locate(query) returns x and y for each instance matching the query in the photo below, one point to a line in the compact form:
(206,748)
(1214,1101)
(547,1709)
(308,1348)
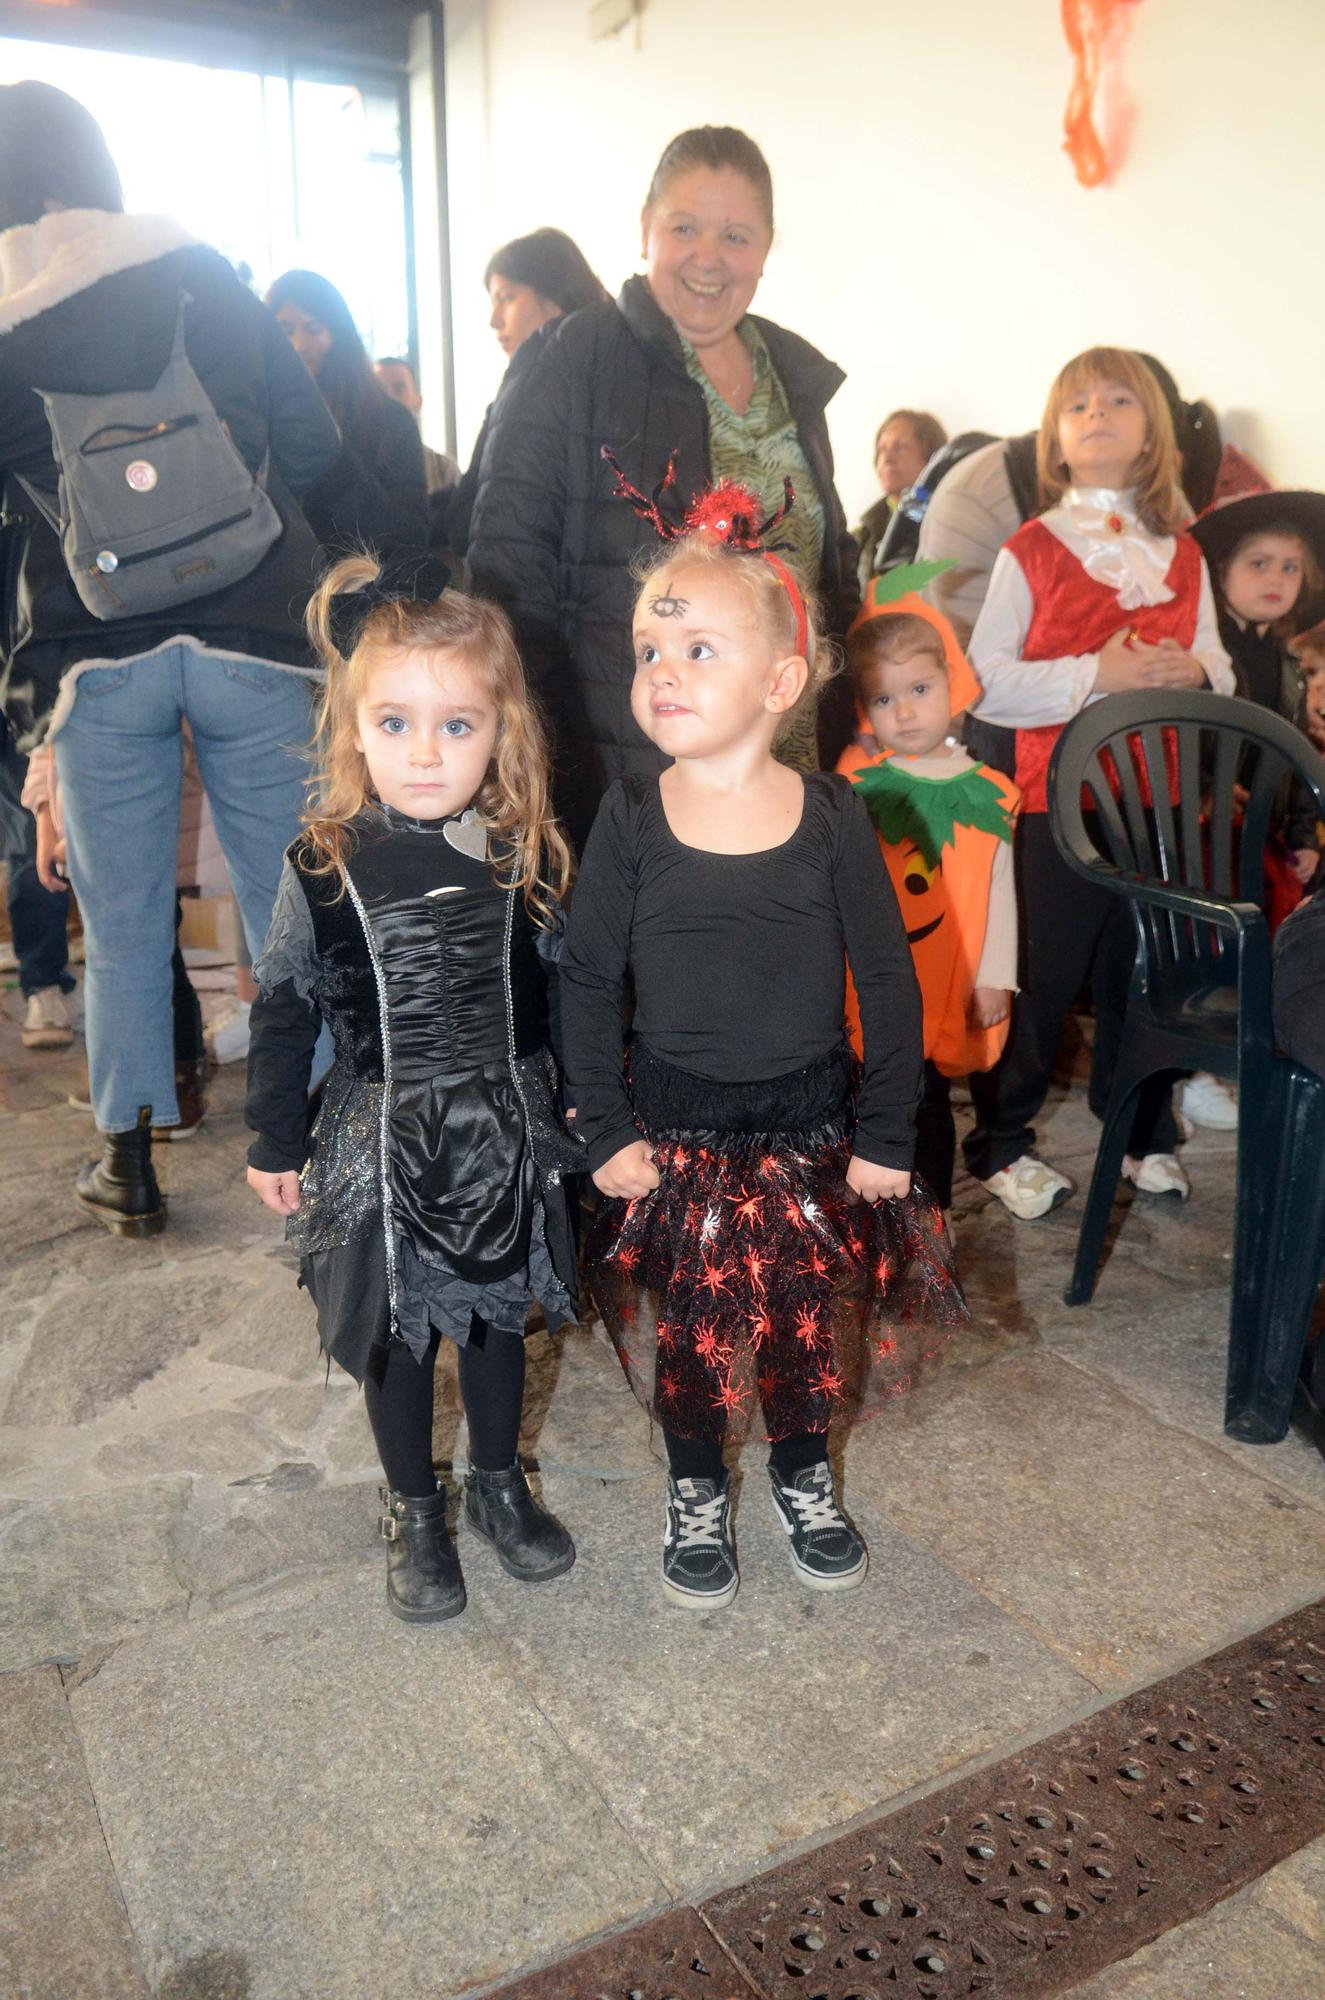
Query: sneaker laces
(817,1508)
(699,1522)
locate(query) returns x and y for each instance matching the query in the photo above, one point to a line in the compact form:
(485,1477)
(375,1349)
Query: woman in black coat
(676,364)
(376,495)
(530,282)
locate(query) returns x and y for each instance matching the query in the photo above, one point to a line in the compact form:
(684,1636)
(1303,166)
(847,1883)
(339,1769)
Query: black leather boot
(120,1188)
(531,1544)
(423,1580)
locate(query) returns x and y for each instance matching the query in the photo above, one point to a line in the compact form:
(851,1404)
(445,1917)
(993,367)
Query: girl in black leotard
(761,1244)
(415,915)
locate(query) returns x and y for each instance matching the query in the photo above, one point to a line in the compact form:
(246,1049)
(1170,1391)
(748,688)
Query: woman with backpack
(161,580)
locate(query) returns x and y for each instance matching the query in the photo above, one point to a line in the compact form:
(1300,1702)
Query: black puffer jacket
(460,509)
(376,494)
(551,544)
(88,303)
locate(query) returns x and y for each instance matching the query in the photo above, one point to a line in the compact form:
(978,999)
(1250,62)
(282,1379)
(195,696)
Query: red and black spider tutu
(752,1278)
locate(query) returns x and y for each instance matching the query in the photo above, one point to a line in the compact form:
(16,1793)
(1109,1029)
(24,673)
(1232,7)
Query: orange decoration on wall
(1089,25)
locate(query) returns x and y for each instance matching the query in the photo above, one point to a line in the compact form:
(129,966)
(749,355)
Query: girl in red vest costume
(1103,594)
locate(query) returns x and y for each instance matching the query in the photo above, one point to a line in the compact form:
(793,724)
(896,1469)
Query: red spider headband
(726,513)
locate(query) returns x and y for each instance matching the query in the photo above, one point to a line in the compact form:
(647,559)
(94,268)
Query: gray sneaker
(699,1562)
(826,1552)
(46,1023)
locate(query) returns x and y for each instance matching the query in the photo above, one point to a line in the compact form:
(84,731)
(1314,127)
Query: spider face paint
(669,607)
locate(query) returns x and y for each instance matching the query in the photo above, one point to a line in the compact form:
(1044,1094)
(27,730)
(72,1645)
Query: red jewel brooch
(1115,523)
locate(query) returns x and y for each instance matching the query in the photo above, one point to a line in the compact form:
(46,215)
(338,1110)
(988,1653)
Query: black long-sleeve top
(739,963)
(1267,674)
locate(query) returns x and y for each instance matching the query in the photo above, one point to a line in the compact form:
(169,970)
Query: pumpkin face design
(918,878)
(938,837)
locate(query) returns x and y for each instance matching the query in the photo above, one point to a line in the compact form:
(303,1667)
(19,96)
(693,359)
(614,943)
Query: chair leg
(1103,1186)
(1279,1254)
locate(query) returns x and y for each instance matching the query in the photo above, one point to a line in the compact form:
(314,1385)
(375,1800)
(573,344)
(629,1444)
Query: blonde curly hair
(514,798)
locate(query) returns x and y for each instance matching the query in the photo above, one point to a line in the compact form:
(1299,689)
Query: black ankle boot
(531,1544)
(423,1579)
(120,1188)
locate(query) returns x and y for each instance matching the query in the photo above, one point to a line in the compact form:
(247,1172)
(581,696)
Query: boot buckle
(388,1528)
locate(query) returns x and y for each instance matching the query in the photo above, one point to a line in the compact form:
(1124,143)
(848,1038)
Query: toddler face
(427,727)
(1313,675)
(1264,578)
(706,673)
(907,702)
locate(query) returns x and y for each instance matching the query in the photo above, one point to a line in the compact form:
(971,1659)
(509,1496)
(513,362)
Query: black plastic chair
(1193,873)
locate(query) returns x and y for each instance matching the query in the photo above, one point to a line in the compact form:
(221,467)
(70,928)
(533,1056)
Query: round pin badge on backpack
(141,475)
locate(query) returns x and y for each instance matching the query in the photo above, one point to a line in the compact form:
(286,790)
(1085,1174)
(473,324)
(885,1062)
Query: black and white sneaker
(699,1562)
(826,1552)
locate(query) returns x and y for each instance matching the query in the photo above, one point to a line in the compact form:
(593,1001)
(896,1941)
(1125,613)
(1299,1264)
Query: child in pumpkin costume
(945,827)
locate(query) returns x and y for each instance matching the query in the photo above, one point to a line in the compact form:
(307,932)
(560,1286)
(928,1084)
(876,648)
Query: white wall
(931,234)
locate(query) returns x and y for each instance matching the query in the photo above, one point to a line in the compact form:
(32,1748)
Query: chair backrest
(1160,792)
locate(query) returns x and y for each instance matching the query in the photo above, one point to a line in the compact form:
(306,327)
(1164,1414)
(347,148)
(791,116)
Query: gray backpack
(155,505)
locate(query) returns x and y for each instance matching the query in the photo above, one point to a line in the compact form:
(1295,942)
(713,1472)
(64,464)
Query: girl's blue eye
(393,725)
(455,727)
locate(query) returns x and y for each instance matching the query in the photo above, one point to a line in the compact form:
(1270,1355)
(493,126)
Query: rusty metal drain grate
(1039,1872)
(672,1957)
(1031,1876)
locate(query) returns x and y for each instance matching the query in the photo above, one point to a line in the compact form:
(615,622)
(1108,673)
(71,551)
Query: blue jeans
(38,919)
(120,757)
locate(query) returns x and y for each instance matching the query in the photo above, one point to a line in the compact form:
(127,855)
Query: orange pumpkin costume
(939,836)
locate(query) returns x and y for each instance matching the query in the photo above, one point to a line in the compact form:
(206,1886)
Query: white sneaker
(1028,1188)
(1157,1173)
(228,1037)
(1204,1100)
(46,1023)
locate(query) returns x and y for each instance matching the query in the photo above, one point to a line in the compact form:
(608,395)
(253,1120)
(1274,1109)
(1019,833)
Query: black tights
(701,1458)
(397,1390)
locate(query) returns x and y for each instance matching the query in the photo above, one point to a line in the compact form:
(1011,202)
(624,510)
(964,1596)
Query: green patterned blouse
(761,447)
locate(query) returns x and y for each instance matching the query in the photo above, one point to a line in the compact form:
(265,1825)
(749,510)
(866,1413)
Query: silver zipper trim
(554,1176)
(380,980)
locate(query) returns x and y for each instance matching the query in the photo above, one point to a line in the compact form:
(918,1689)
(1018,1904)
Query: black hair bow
(408,579)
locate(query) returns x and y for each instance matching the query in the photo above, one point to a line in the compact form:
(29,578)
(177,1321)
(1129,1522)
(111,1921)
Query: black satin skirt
(455,1165)
(477,1231)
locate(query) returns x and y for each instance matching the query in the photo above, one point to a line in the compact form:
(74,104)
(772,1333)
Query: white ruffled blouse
(1101,529)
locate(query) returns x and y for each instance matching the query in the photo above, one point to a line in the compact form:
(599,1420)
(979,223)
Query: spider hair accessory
(407,580)
(727,512)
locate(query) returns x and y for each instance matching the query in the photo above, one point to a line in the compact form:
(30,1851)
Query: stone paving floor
(227,1774)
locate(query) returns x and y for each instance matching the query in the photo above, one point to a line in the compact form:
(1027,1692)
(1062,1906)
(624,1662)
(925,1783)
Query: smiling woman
(678,364)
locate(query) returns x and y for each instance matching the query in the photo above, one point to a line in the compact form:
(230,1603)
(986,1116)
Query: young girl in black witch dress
(414,915)
(761,1241)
